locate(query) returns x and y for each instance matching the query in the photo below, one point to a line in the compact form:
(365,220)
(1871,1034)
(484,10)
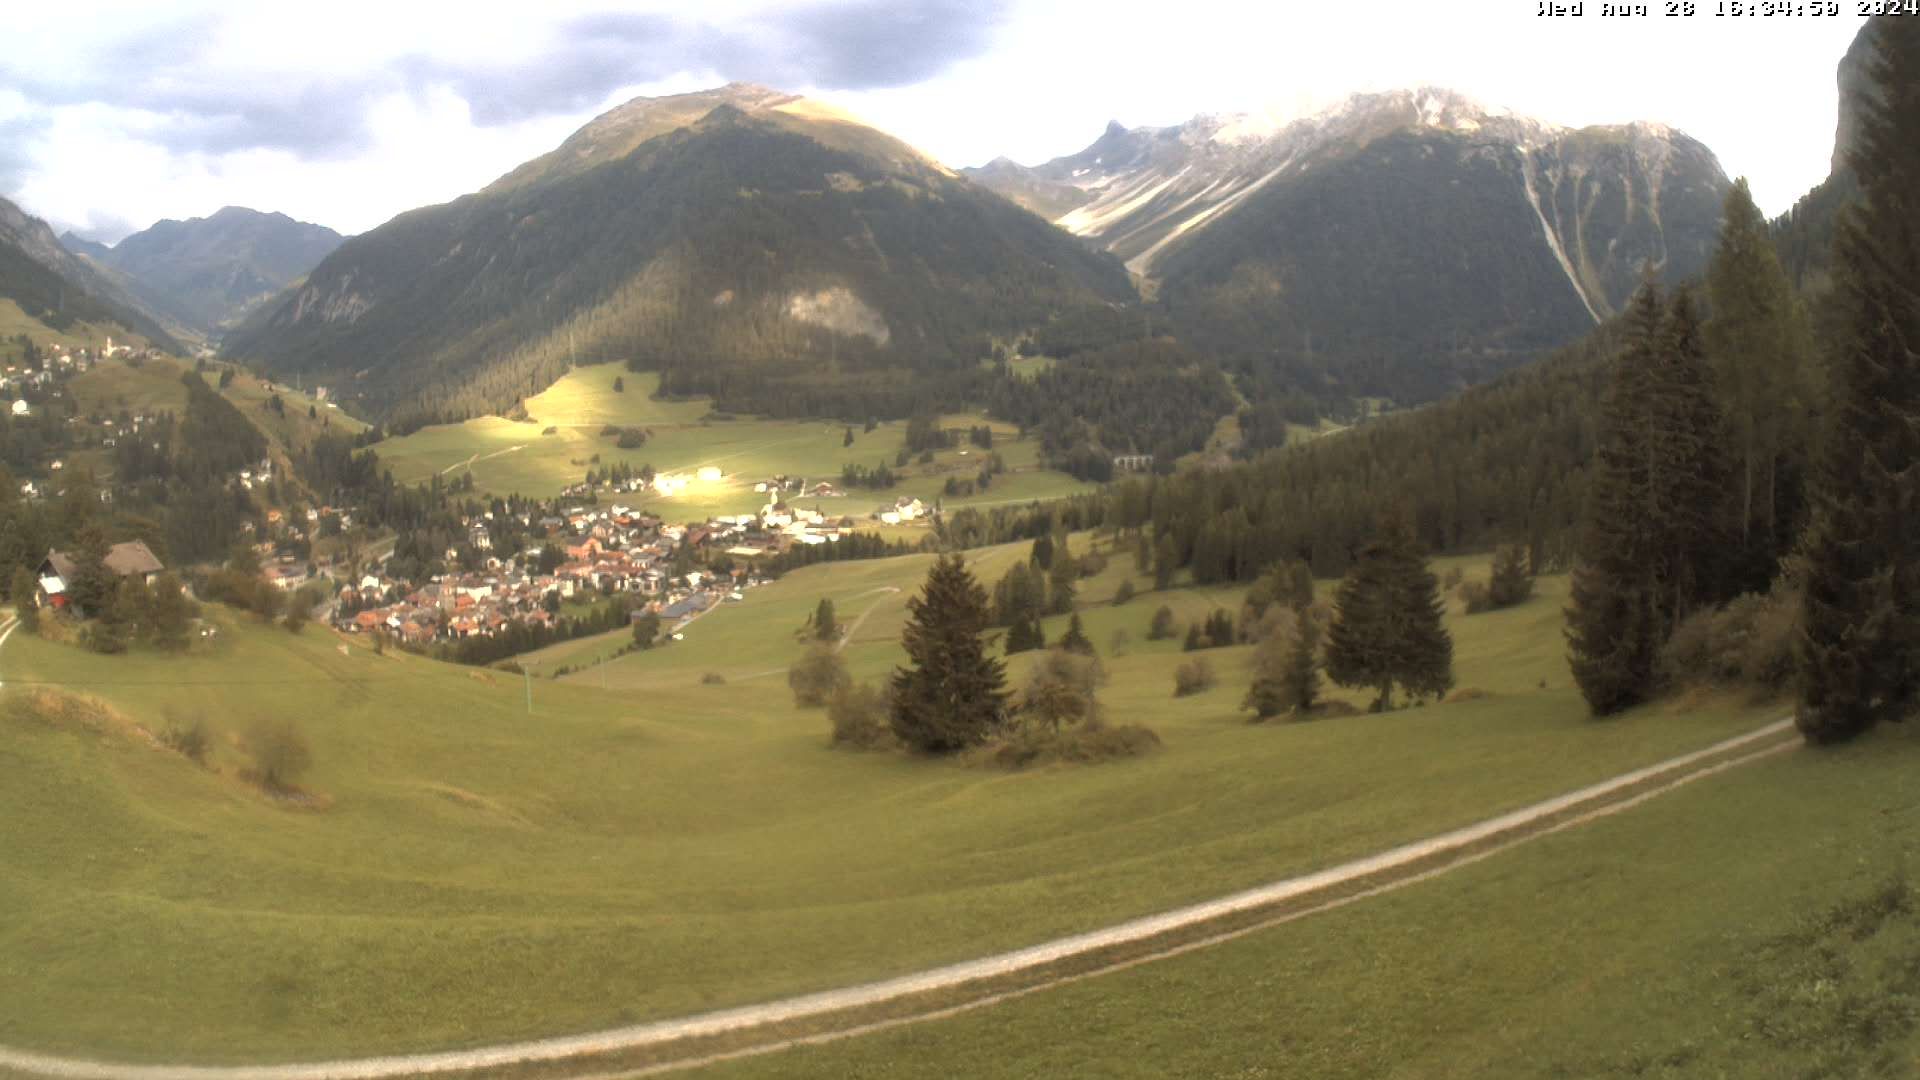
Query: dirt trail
(1343,884)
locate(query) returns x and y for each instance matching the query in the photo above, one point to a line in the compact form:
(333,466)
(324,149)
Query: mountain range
(1402,242)
(205,274)
(739,233)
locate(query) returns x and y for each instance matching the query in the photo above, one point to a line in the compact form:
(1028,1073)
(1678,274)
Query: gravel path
(1469,844)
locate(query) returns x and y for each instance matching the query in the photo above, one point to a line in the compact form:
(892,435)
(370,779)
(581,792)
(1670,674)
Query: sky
(115,114)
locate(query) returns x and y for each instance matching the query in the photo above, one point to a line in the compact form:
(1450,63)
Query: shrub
(279,751)
(859,718)
(713,678)
(1193,677)
(1477,596)
(1466,693)
(817,676)
(1060,692)
(191,739)
(1124,593)
(1084,744)
(1749,641)
(1161,627)
(1453,578)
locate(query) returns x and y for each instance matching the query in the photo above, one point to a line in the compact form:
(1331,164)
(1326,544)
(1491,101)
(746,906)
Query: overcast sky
(115,114)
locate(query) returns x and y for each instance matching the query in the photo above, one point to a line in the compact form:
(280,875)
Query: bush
(1477,596)
(1453,578)
(1749,641)
(1060,692)
(1083,744)
(859,718)
(1161,627)
(279,752)
(713,678)
(1466,693)
(1124,593)
(1193,677)
(191,739)
(817,676)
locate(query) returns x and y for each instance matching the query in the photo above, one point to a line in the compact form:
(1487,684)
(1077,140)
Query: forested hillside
(40,276)
(739,244)
(205,273)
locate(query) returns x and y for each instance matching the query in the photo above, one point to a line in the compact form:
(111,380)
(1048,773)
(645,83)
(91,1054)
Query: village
(586,555)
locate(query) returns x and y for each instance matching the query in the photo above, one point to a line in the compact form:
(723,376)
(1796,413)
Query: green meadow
(1759,924)
(481,857)
(506,456)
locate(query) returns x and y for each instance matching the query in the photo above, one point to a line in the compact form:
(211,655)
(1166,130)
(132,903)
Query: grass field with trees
(684,837)
(507,456)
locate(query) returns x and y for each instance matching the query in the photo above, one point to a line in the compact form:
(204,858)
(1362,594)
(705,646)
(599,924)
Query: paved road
(1465,845)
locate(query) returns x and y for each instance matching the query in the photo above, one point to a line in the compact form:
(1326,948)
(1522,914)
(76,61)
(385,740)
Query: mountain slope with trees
(207,273)
(707,235)
(1402,244)
(57,288)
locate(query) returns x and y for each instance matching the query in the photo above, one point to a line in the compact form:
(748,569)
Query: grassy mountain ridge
(745,239)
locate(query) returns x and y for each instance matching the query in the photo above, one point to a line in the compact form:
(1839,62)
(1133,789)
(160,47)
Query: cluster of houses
(597,551)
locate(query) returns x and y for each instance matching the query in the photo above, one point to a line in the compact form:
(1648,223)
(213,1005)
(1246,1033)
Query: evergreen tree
(1510,583)
(1024,635)
(1018,596)
(825,625)
(1061,589)
(1688,480)
(1858,656)
(1761,352)
(1388,621)
(171,614)
(1075,640)
(1042,554)
(1166,559)
(1613,621)
(953,695)
(1300,680)
(1160,627)
(25,601)
(91,589)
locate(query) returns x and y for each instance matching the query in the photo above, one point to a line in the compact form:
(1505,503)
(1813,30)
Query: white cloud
(354,112)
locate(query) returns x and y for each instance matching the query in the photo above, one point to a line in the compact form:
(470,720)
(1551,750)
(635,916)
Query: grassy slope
(507,457)
(14,321)
(1758,924)
(483,874)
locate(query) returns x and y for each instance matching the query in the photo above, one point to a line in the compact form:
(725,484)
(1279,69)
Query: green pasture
(464,870)
(506,456)
(1758,924)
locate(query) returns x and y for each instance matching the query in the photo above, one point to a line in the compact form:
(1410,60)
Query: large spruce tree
(1388,621)
(1613,620)
(1688,478)
(1761,353)
(953,695)
(1858,658)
